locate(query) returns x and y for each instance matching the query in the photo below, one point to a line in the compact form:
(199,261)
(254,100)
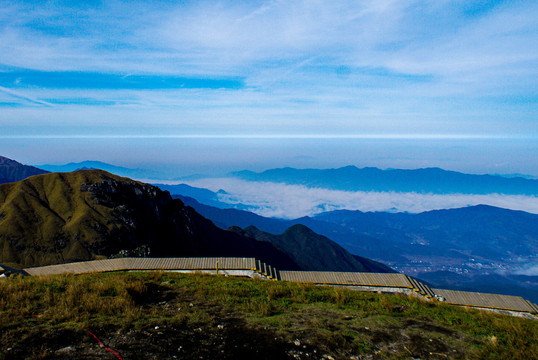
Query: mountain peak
(4,161)
(11,170)
(299,229)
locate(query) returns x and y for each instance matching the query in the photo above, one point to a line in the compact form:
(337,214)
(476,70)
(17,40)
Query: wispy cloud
(293,201)
(271,67)
(24,98)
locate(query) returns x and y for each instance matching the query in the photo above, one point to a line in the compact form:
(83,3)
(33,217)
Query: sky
(200,84)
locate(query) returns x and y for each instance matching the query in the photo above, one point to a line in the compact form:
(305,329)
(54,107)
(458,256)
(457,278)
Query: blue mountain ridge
(90,164)
(11,170)
(473,248)
(427,180)
(352,178)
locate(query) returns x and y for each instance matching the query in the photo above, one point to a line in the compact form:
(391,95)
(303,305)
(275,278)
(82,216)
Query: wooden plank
(347,278)
(494,301)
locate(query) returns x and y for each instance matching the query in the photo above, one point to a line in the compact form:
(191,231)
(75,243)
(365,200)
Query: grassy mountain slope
(11,171)
(64,217)
(170,315)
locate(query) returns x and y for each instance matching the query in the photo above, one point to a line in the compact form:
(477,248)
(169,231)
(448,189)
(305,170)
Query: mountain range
(88,164)
(428,180)
(65,217)
(89,214)
(479,248)
(479,232)
(352,178)
(205,196)
(92,214)
(313,251)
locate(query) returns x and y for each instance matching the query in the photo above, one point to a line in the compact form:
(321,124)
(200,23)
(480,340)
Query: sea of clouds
(529,270)
(293,201)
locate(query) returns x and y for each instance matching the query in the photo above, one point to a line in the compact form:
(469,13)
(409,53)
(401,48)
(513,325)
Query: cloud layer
(294,201)
(529,270)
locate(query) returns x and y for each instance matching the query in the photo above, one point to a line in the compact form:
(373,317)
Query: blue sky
(359,69)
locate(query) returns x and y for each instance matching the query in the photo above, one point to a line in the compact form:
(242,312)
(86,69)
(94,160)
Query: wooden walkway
(483,300)
(146,264)
(389,282)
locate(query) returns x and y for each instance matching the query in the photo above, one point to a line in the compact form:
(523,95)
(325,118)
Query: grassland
(166,315)
(46,219)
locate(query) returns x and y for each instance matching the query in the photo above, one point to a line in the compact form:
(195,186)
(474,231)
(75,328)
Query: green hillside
(180,316)
(49,219)
(89,214)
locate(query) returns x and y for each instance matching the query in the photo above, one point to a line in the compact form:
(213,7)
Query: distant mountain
(307,248)
(225,218)
(476,248)
(428,180)
(312,251)
(475,232)
(479,232)
(87,165)
(87,214)
(11,171)
(353,242)
(204,196)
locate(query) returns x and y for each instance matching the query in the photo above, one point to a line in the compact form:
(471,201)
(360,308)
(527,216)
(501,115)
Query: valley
(474,248)
(477,248)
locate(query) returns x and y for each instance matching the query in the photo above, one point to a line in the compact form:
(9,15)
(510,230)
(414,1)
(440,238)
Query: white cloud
(293,201)
(529,270)
(289,52)
(217,37)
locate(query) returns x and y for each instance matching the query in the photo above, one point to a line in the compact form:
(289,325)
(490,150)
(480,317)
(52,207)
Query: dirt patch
(151,293)
(428,326)
(233,339)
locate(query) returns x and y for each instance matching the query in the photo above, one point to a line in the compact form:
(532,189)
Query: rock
(67,349)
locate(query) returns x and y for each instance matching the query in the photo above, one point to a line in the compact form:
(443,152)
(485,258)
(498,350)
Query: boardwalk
(381,282)
(146,264)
